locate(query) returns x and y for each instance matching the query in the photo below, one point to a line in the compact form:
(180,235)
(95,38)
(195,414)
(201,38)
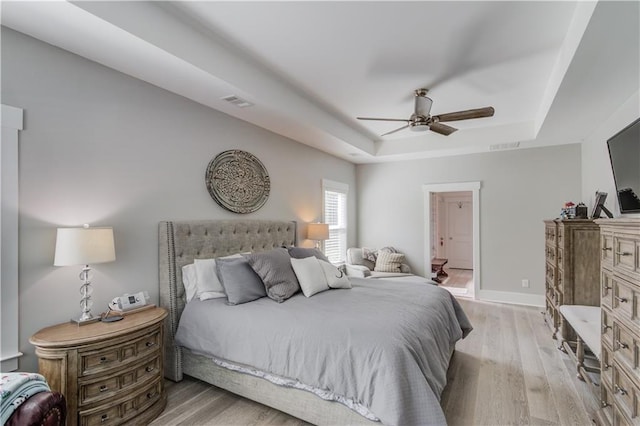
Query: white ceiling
(551,70)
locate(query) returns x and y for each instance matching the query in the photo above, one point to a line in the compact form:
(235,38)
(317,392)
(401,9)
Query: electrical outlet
(525,283)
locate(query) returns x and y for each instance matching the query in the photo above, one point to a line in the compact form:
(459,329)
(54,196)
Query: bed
(409,395)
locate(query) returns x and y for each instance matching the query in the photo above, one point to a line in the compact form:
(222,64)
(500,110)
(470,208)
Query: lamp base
(84,321)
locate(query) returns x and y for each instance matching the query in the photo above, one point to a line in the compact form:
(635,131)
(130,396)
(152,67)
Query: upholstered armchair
(28,401)
(363,263)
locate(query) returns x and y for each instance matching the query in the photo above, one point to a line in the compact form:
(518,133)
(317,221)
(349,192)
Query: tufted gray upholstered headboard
(181,242)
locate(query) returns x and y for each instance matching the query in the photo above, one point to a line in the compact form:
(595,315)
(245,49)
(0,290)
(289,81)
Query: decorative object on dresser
(572,271)
(318,232)
(110,373)
(620,297)
(82,246)
(238,181)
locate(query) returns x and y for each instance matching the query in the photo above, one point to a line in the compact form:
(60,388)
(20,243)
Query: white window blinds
(335,215)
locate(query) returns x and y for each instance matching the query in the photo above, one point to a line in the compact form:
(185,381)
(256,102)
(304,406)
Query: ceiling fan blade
(383,119)
(442,129)
(396,130)
(465,115)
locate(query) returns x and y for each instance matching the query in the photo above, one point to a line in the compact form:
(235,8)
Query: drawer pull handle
(621,345)
(604,404)
(149,369)
(151,395)
(104,418)
(606,248)
(606,366)
(623,253)
(619,389)
(608,287)
(621,299)
(605,328)
(103,359)
(149,344)
(104,388)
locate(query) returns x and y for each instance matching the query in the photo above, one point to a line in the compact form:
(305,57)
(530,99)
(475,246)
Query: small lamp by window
(82,246)
(318,232)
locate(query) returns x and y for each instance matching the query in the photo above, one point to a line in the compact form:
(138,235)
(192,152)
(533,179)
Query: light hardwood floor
(508,371)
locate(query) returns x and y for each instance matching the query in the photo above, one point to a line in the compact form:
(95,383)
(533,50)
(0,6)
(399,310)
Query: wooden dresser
(620,302)
(572,270)
(110,373)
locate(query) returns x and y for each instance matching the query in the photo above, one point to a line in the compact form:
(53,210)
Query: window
(334,202)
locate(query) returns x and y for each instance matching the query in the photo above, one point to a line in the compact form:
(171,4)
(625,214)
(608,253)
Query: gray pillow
(240,282)
(302,252)
(274,268)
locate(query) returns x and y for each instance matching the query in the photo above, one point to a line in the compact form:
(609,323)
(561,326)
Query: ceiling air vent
(503,146)
(239,102)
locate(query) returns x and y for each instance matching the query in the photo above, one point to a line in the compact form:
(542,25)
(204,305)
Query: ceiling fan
(421,121)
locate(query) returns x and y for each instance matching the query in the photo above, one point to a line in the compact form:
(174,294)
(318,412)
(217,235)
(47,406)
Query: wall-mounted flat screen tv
(624,153)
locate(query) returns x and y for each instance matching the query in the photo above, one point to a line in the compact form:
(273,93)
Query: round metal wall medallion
(238,181)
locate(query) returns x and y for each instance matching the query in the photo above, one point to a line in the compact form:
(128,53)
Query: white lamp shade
(82,246)
(318,231)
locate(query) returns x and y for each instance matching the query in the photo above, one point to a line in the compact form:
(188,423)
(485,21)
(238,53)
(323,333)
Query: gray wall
(519,190)
(103,148)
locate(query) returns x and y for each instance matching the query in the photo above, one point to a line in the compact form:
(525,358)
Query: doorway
(452,233)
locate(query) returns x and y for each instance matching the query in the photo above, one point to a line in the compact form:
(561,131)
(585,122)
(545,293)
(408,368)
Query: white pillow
(207,282)
(190,281)
(310,275)
(335,277)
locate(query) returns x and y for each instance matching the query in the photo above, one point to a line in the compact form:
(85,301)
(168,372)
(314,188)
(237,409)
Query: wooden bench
(586,321)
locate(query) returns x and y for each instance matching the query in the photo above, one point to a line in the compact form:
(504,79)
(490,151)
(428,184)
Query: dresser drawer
(560,280)
(606,402)
(625,393)
(606,247)
(550,254)
(121,411)
(606,365)
(548,289)
(625,301)
(625,348)
(625,254)
(95,362)
(551,273)
(606,288)
(106,387)
(607,327)
(619,419)
(550,234)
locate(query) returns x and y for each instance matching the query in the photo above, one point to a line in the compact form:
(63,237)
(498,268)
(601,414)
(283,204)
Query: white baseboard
(512,297)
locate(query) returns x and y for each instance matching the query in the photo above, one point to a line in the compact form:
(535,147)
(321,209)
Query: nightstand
(110,373)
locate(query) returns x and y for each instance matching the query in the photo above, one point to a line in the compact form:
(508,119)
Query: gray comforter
(383,344)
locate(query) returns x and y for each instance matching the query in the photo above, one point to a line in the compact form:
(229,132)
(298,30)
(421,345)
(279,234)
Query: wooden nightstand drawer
(104,388)
(96,362)
(124,410)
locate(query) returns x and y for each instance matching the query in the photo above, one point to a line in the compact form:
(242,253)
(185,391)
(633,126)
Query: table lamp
(82,246)
(318,232)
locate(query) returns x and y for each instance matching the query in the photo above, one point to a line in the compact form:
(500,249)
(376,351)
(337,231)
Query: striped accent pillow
(388,262)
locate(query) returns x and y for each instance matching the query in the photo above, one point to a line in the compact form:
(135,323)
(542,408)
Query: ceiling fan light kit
(421,120)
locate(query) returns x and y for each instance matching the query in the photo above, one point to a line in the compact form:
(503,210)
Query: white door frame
(474,188)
